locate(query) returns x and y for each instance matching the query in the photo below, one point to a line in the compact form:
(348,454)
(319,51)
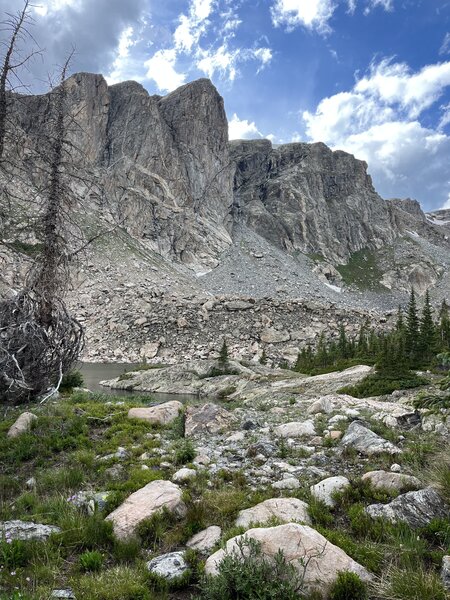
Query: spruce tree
(412,331)
(427,333)
(223,355)
(342,346)
(444,327)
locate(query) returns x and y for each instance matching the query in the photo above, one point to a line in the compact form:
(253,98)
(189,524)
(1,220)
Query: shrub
(348,586)
(246,574)
(184,452)
(71,380)
(91,561)
(377,384)
(120,583)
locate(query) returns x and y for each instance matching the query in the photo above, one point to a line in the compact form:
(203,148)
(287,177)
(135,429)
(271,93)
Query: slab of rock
(325,489)
(162,414)
(169,566)
(25,530)
(144,503)
(445,572)
(66,593)
(286,510)
(366,441)
(207,418)
(274,336)
(205,540)
(296,429)
(299,543)
(289,483)
(417,509)
(391,481)
(23,424)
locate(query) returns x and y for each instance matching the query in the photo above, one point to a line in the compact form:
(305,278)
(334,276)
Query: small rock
(66,593)
(183,475)
(22,424)
(445,572)
(207,418)
(396,468)
(290,483)
(169,566)
(325,489)
(295,429)
(205,540)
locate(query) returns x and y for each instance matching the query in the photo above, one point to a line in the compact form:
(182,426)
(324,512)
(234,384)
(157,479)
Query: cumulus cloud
(161,69)
(191,44)
(311,14)
(242,129)
(379,120)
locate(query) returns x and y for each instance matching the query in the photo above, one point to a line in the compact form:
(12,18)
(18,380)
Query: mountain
(179,214)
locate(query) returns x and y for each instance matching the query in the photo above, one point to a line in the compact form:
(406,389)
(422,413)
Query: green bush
(377,384)
(246,574)
(91,561)
(184,452)
(70,380)
(348,586)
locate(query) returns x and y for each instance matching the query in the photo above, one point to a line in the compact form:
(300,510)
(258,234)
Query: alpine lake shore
(118,498)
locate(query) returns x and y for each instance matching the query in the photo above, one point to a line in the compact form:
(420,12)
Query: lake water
(93,373)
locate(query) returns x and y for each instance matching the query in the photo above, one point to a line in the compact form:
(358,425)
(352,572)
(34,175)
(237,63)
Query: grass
(62,451)
(362,271)
(377,384)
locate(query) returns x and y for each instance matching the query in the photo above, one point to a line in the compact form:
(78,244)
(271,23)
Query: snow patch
(335,288)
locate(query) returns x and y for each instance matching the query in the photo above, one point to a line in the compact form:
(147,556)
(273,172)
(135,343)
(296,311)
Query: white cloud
(242,129)
(120,66)
(311,14)
(445,46)
(378,120)
(388,5)
(49,6)
(395,83)
(161,69)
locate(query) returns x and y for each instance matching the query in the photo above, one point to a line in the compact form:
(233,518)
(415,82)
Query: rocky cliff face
(304,197)
(160,166)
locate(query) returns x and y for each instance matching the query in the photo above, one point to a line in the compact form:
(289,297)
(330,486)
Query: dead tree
(39,340)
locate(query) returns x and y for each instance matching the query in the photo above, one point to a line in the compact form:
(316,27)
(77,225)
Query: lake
(93,373)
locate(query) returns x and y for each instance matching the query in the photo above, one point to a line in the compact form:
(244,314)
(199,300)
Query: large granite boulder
(205,540)
(151,499)
(299,543)
(391,482)
(207,418)
(417,509)
(287,510)
(366,441)
(161,414)
(296,429)
(26,530)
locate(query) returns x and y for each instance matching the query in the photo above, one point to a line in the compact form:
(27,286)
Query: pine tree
(412,331)
(263,358)
(342,347)
(223,355)
(444,327)
(427,333)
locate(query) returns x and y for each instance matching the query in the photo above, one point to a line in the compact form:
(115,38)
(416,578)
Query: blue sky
(368,76)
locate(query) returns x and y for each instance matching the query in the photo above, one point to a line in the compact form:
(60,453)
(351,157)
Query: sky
(371,77)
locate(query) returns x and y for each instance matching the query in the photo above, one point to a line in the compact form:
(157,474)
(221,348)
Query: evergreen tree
(223,355)
(412,331)
(343,346)
(427,333)
(263,358)
(444,327)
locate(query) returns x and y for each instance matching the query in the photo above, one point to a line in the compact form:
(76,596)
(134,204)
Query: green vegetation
(362,271)
(71,380)
(348,586)
(415,342)
(246,574)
